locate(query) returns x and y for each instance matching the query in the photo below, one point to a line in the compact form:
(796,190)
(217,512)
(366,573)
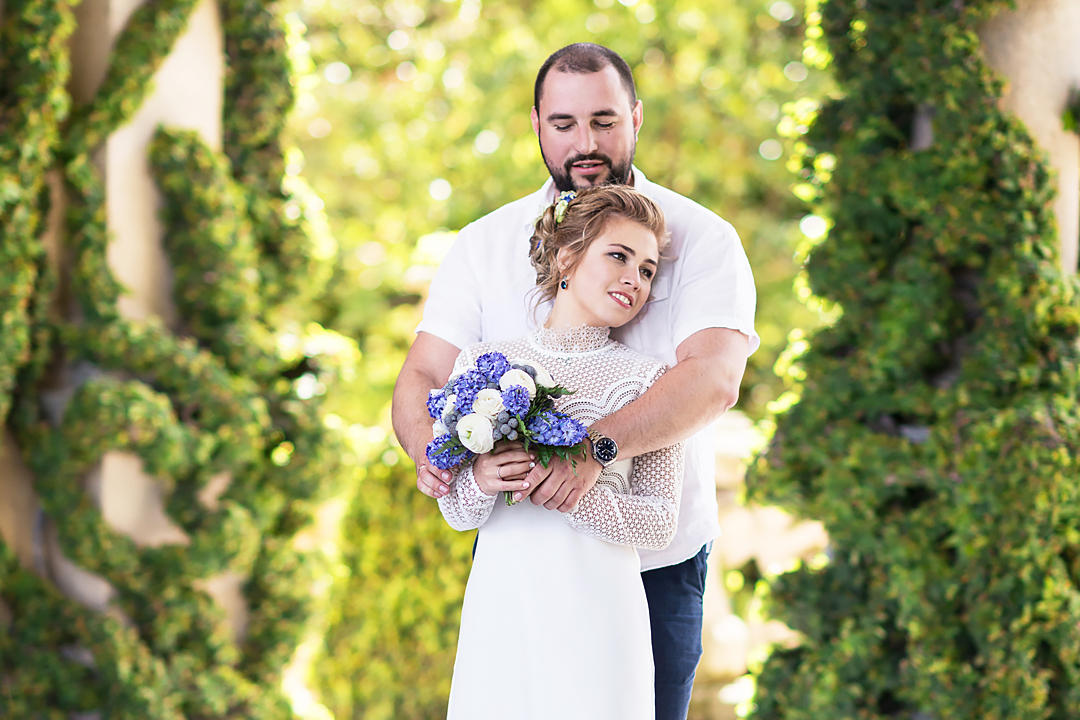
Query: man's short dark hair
(585,58)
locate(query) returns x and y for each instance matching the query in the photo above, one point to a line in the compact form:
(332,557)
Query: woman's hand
(503,469)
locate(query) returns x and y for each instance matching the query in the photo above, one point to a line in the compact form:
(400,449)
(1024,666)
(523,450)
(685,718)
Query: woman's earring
(563,284)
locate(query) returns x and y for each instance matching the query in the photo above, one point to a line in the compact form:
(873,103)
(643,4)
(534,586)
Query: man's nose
(585,141)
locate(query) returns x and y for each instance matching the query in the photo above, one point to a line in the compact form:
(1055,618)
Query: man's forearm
(701,386)
(674,408)
(412,424)
(427,366)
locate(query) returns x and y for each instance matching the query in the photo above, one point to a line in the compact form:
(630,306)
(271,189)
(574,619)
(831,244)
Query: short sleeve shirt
(484,292)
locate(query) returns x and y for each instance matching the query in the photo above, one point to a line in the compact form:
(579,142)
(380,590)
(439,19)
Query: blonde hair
(584,221)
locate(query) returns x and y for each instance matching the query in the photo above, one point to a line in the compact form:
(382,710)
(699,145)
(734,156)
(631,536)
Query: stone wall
(1036,49)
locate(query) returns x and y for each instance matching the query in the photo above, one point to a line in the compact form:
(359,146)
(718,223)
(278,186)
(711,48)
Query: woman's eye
(647,273)
(618,256)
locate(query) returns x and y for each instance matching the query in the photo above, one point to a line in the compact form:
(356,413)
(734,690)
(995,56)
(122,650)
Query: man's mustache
(581,158)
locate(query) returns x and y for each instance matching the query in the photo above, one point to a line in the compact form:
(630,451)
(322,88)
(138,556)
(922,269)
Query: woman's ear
(562,260)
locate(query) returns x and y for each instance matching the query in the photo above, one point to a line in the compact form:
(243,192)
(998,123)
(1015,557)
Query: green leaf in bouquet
(572,453)
(554,392)
(544,453)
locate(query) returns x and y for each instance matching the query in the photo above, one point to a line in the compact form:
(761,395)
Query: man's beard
(618,174)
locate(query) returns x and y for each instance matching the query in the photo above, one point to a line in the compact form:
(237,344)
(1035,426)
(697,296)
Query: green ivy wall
(219,394)
(937,434)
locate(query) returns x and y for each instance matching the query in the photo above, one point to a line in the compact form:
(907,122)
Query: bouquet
(501,400)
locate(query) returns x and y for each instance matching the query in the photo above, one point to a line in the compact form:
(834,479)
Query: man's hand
(560,485)
(432,481)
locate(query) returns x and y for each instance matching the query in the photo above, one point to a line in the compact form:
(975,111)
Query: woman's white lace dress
(555,624)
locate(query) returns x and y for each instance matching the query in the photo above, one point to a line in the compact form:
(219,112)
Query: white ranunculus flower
(438,428)
(488,403)
(475,432)
(543,377)
(518,377)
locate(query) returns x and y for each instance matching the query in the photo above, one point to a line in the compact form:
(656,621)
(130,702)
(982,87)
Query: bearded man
(699,320)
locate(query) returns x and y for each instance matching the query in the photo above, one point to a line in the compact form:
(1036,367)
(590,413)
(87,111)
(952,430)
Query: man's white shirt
(483,291)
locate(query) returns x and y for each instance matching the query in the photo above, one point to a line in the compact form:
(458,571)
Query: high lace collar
(572,340)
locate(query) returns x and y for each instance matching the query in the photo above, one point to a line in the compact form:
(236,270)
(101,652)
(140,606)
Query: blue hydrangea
(553,428)
(466,386)
(446,452)
(516,400)
(436,403)
(492,365)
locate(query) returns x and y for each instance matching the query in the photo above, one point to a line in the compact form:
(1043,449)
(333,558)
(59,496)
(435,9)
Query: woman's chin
(622,319)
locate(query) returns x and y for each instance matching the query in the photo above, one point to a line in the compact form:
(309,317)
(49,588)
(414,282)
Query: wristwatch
(604,449)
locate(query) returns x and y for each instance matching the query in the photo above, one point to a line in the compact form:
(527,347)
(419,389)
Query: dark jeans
(675,611)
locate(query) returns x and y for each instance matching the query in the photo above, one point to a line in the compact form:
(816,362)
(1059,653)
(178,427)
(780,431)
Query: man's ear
(535,117)
(638,116)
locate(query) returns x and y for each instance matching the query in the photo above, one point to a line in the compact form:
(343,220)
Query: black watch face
(606,450)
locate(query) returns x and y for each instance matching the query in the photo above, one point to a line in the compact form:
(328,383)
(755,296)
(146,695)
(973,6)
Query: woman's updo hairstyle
(583,221)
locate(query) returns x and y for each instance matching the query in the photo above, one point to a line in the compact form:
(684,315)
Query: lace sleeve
(647,516)
(466,506)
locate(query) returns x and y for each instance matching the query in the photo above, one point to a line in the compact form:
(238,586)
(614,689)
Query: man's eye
(562,128)
(605,125)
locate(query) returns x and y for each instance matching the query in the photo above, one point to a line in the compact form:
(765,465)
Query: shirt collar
(547,194)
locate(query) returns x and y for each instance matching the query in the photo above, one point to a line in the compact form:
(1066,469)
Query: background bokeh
(412,119)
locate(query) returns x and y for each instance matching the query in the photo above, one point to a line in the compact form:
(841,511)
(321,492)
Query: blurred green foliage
(413,120)
(394,606)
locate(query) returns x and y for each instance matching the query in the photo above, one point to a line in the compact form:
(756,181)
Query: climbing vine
(937,432)
(217,396)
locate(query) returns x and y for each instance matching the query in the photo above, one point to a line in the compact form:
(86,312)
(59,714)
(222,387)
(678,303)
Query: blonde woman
(596,255)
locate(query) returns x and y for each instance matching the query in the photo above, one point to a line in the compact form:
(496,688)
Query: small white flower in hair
(561,204)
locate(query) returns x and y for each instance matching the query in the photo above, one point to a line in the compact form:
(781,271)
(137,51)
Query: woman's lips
(622,298)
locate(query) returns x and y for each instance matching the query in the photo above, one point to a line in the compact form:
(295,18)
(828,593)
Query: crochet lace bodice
(635,501)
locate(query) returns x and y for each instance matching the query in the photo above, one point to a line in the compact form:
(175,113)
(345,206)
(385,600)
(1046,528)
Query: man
(699,320)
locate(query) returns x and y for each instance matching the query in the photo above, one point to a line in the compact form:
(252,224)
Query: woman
(555,623)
